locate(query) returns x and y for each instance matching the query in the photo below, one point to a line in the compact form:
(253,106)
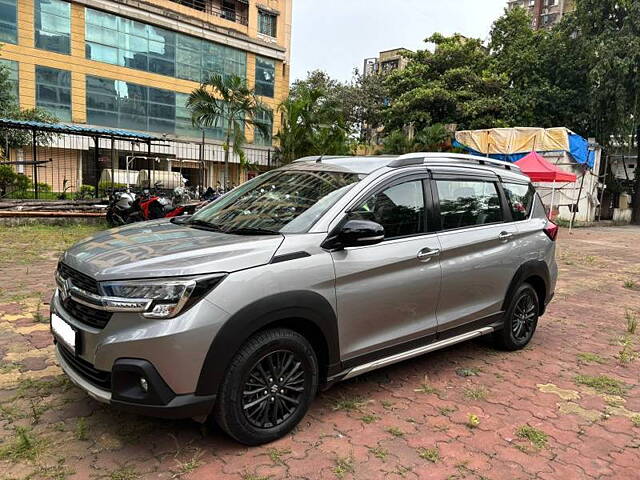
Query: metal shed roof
(75,129)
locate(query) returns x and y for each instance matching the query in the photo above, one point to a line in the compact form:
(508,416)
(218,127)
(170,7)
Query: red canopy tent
(539,170)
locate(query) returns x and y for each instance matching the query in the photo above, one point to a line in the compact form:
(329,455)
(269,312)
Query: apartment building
(131,64)
(544,13)
(386,61)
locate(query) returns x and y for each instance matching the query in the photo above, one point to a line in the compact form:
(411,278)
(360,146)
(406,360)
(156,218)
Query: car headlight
(159,298)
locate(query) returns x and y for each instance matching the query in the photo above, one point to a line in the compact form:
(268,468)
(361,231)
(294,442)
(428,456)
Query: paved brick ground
(567,407)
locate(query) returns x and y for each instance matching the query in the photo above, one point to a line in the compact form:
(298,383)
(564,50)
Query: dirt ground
(566,407)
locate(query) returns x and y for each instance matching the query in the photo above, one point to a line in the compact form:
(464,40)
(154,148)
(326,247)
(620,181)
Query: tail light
(551,229)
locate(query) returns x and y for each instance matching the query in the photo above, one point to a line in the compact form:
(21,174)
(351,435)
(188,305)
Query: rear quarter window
(520,198)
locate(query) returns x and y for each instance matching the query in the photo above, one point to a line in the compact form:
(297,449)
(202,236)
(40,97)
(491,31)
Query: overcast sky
(337,35)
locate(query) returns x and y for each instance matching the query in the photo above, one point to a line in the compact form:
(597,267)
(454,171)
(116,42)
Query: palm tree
(228,101)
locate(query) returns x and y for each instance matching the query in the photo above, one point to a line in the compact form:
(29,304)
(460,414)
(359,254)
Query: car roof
(366,165)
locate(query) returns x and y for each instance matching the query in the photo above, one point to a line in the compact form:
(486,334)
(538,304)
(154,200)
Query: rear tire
(268,387)
(521,319)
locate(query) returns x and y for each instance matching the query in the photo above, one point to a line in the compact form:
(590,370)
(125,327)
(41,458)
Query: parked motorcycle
(125,207)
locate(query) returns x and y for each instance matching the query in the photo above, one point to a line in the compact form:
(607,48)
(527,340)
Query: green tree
(453,84)
(314,121)
(230,102)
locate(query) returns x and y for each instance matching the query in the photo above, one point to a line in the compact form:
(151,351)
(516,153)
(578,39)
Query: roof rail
(420,158)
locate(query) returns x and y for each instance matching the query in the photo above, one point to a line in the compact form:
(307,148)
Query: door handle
(505,236)
(427,254)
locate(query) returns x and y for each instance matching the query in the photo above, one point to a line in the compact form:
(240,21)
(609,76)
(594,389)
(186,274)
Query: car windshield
(276,202)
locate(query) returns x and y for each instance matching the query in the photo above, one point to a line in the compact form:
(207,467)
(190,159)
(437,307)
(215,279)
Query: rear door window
(466,203)
(520,198)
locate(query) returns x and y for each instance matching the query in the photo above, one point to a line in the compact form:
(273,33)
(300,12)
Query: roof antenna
(319,160)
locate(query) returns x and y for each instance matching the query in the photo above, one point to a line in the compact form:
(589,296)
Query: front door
(479,254)
(387,293)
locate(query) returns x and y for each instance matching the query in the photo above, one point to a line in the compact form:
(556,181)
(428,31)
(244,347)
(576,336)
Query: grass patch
(476,393)
(369,418)
(253,476)
(627,354)
(379,452)
(537,437)
(635,419)
(343,466)
(629,284)
(395,431)
(588,357)
(190,465)
(446,411)
(431,454)
(124,473)
(275,454)
(30,388)
(24,446)
(632,321)
(602,384)
(81,429)
(349,404)
(427,389)
(467,372)
(24,244)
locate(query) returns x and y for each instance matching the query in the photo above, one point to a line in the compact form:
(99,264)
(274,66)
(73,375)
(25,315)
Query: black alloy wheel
(268,387)
(273,389)
(520,319)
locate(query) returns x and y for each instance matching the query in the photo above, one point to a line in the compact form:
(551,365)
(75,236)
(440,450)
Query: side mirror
(354,233)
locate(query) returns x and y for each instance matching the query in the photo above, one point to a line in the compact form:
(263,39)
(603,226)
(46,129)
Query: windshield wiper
(251,231)
(204,224)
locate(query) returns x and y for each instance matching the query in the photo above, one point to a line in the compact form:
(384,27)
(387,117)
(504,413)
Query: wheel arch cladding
(536,273)
(307,313)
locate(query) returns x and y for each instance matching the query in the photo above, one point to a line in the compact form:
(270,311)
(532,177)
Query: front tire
(268,387)
(521,319)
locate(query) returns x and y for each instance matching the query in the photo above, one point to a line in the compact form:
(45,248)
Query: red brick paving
(589,435)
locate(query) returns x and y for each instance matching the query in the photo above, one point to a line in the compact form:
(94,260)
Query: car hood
(163,249)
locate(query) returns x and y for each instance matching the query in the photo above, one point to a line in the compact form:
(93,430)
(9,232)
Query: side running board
(399,357)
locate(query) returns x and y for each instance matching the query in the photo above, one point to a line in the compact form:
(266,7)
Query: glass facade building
(9,21)
(120,104)
(53,25)
(128,43)
(53,92)
(12,68)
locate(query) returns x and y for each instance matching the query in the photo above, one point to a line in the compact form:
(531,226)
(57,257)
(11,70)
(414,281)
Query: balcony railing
(236,15)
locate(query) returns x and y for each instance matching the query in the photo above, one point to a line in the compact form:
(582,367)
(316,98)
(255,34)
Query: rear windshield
(278,201)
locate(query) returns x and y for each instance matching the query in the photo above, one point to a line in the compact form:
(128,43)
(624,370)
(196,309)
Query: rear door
(479,248)
(387,293)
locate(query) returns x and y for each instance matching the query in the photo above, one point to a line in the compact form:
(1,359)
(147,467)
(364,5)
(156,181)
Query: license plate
(63,332)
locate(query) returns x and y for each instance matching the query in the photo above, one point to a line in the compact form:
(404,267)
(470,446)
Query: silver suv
(316,272)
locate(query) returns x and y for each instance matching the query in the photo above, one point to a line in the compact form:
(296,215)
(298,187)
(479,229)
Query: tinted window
(53,92)
(399,209)
(464,203)
(265,77)
(8,21)
(53,25)
(520,199)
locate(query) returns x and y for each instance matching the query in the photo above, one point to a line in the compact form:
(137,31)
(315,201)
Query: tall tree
(229,102)
(451,84)
(314,120)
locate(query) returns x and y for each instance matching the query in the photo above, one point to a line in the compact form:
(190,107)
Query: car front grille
(87,315)
(97,378)
(80,280)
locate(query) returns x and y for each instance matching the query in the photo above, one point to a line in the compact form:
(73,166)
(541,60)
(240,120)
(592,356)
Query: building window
(12,69)
(53,92)
(267,23)
(53,25)
(8,21)
(121,41)
(265,77)
(119,104)
(264,117)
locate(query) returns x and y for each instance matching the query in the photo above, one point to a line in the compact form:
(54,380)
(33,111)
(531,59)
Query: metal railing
(237,14)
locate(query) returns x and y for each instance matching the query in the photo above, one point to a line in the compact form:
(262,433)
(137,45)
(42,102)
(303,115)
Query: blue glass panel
(8,21)
(53,25)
